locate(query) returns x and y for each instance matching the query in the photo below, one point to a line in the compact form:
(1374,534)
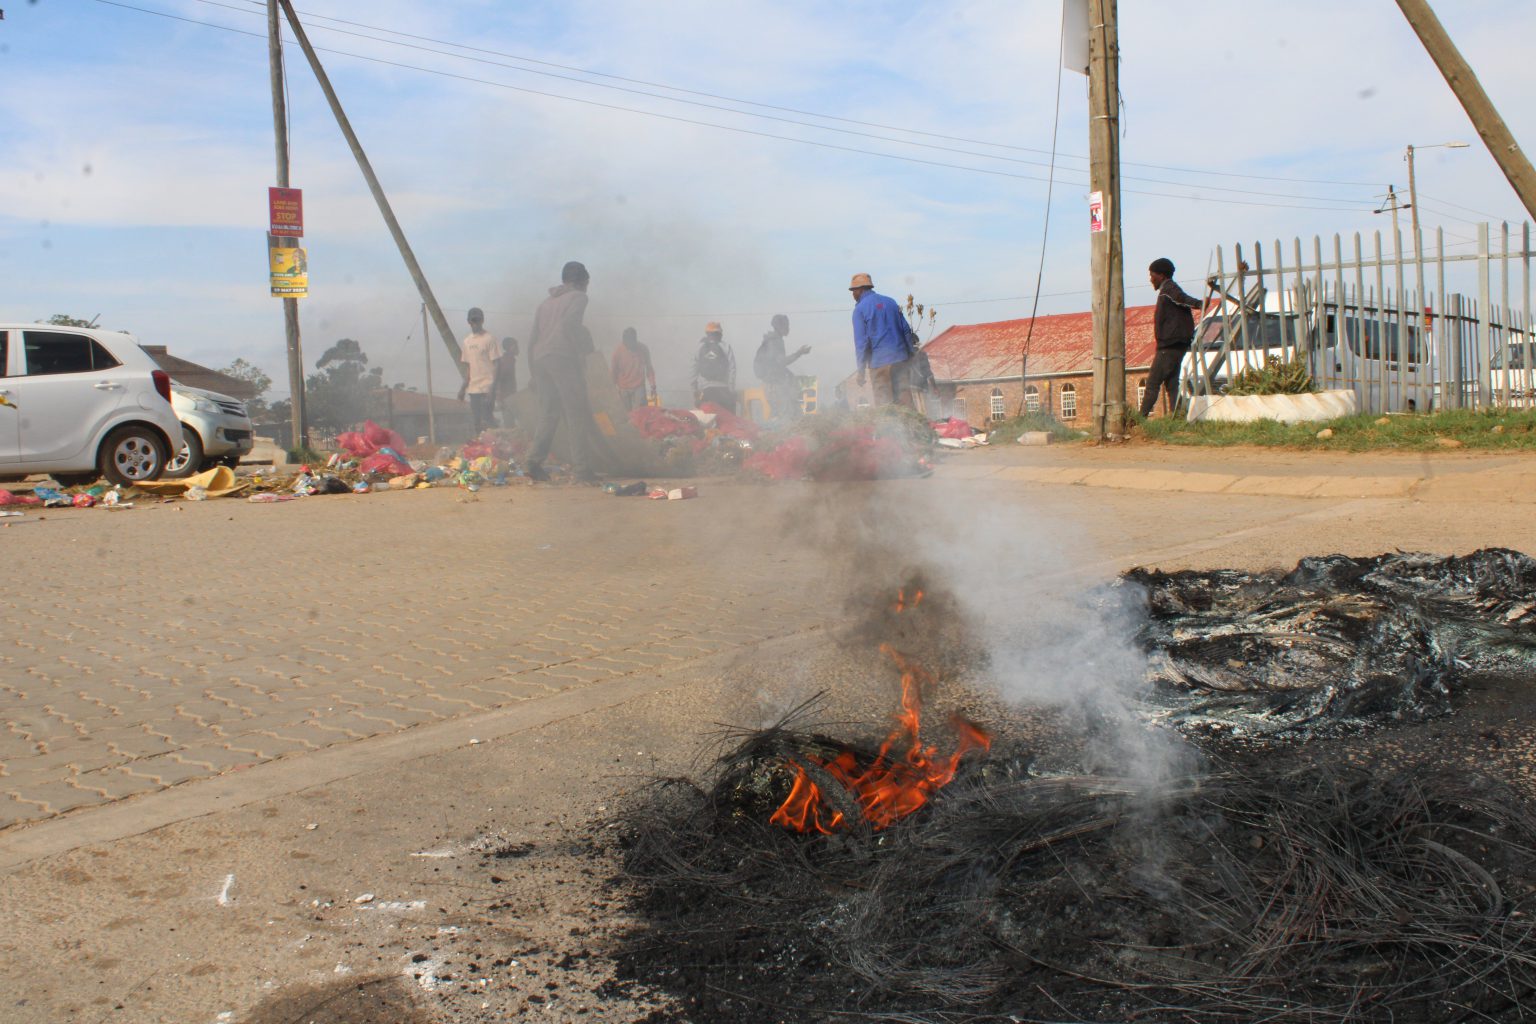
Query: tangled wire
(1342,894)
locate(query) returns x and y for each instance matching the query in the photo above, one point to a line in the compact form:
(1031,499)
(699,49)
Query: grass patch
(1497,429)
(1009,430)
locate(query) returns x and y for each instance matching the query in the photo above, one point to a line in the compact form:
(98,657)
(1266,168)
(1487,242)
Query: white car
(215,429)
(81,403)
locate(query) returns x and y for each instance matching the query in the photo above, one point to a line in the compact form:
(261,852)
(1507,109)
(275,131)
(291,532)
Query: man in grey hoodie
(557,354)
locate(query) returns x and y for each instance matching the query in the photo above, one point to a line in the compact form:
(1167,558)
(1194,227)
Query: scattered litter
(10,498)
(215,483)
(194,493)
(682,493)
(268,497)
(639,487)
(397,905)
(12,515)
(224,898)
(366,897)
(311,826)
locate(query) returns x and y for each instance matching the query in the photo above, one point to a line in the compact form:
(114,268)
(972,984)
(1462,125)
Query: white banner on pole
(1074,38)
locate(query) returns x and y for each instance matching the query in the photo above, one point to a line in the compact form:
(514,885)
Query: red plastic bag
(786,462)
(659,424)
(953,428)
(380,462)
(10,498)
(382,437)
(731,425)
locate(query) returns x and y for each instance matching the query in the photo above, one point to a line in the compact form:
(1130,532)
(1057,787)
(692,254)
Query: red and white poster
(285,207)
(1095,212)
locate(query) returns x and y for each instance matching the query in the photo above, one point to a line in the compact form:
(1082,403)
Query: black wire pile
(1337,643)
(1326,894)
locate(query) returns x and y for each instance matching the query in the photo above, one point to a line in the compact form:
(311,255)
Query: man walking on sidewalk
(557,352)
(1174,328)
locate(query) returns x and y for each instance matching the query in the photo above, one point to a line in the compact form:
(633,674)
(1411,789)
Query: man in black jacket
(1174,328)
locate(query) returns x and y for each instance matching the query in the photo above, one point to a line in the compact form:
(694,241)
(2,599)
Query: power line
(770,106)
(781,120)
(722,127)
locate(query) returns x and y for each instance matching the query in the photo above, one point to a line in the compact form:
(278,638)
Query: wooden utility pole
(1480,109)
(373,186)
(290,305)
(1108,255)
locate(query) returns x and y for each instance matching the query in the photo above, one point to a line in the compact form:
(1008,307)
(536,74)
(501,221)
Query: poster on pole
(289,270)
(1095,212)
(285,212)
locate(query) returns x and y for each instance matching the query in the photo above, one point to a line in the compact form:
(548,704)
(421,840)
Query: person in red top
(632,371)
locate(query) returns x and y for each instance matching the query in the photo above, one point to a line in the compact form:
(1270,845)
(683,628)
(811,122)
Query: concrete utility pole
(1389,204)
(290,305)
(1108,255)
(373,186)
(1480,109)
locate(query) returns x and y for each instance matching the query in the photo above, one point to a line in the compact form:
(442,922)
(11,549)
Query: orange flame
(893,785)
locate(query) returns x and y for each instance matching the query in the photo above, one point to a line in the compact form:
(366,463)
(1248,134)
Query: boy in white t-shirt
(479,352)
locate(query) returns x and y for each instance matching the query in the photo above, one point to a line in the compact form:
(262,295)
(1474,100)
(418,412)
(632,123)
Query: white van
(1385,375)
(81,403)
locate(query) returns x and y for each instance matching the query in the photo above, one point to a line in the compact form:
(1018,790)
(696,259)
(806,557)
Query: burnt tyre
(189,459)
(132,455)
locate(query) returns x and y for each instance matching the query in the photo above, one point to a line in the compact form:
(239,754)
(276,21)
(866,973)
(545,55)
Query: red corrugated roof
(1061,344)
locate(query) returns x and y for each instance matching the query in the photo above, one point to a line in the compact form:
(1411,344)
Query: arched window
(1069,401)
(997,404)
(1031,399)
(1141,392)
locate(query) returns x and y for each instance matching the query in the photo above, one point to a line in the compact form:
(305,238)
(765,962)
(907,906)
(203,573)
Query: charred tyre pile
(808,878)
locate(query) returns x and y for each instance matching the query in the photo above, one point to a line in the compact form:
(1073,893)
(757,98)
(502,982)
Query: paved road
(157,645)
(350,650)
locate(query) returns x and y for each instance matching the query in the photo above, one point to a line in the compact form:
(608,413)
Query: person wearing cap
(771,364)
(480,352)
(714,370)
(883,342)
(1174,328)
(632,371)
(557,352)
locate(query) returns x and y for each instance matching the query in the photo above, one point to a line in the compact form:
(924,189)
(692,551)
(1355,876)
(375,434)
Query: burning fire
(903,774)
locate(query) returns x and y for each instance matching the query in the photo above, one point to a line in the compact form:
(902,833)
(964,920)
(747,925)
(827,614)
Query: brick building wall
(1068,397)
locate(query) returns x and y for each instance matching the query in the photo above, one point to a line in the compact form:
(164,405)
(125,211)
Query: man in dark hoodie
(557,354)
(1174,328)
(771,364)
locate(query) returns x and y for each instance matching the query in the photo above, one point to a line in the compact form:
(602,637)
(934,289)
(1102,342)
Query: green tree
(260,383)
(65,320)
(337,397)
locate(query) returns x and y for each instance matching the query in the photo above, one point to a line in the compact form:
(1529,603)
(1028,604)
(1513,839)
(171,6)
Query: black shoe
(534,471)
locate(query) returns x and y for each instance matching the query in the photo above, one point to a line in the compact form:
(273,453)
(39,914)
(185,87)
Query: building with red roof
(978,367)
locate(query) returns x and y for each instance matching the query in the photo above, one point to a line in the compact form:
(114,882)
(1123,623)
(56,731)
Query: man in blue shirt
(883,342)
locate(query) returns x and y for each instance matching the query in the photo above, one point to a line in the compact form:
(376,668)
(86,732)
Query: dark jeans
(562,389)
(1164,375)
(721,395)
(482,412)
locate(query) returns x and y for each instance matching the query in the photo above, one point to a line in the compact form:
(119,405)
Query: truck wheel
(187,461)
(131,455)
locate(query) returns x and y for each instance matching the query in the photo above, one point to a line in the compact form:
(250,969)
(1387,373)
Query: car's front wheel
(132,455)
(188,460)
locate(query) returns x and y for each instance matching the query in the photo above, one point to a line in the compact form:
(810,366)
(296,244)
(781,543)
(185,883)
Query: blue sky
(137,150)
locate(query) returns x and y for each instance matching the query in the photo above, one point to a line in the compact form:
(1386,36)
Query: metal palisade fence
(1436,327)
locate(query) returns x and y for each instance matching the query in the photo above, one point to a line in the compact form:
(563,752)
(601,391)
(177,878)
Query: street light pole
(1413,209)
